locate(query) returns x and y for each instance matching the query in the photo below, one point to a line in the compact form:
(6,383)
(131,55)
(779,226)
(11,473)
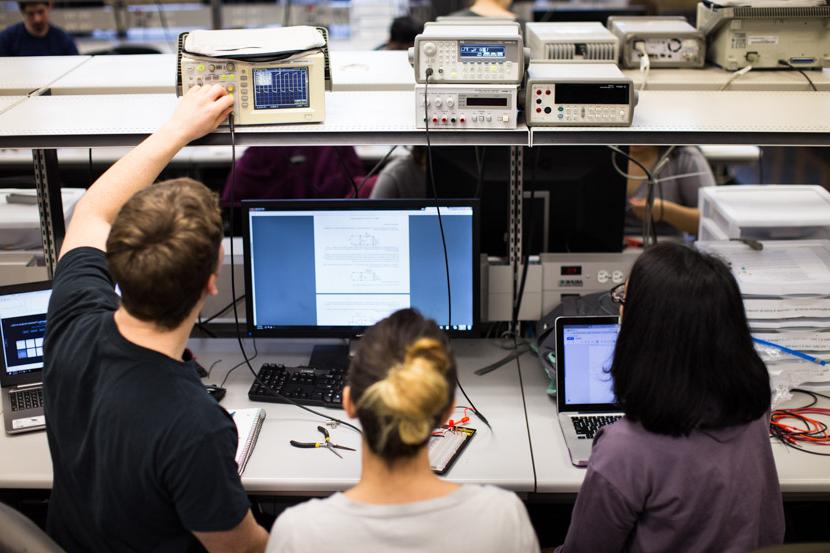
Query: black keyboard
(586,426)
(305,385)
(26,399)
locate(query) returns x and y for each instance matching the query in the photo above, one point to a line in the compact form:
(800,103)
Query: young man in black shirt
(143,458)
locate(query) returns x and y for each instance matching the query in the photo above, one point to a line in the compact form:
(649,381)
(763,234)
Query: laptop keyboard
(26,399)
(586,426)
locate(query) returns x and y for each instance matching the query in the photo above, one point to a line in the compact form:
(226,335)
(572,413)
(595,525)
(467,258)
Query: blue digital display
(281,88)
(488,51)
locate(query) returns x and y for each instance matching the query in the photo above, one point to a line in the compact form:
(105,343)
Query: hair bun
(414,392)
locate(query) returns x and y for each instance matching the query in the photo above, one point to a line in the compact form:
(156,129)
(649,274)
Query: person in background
(401,385)
(403,177)
(689,467)
(143,457)
(35,36)
(284,172)
(402,33)
(680,178)
(487,8)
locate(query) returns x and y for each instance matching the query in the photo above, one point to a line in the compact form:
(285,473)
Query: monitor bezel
(352,205)
(32,375)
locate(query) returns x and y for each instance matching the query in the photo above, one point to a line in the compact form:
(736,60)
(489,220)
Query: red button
(443,119)
(547,92)
(434,119)
(539,91)
(538,110)
(461,120)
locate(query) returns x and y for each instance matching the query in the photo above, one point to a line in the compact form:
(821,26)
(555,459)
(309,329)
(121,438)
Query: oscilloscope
(276,75)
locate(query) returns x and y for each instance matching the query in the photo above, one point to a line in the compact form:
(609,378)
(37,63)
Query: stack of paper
(786,291)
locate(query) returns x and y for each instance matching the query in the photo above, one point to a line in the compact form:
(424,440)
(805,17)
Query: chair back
(18,534)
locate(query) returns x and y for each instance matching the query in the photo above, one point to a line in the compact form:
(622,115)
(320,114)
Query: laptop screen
(22,326)
(589,350)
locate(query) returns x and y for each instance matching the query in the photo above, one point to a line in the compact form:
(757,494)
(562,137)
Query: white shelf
(24,75)
(118,120)
(708,117)
(137,74)
(714,78)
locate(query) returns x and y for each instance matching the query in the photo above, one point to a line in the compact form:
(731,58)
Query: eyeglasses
(617,294)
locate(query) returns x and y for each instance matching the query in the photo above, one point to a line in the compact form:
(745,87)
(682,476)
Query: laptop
(22,326)
(585,396)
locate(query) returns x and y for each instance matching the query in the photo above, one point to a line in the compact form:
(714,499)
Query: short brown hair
(163,247)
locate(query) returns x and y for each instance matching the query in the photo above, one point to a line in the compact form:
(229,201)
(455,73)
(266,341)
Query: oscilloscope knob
(429,49)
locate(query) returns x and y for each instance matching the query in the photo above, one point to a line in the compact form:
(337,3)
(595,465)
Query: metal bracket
(50,205)
(515,222)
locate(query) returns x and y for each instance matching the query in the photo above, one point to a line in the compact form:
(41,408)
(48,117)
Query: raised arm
(199,112)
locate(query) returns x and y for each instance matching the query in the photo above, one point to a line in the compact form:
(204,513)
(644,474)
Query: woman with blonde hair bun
(401,385)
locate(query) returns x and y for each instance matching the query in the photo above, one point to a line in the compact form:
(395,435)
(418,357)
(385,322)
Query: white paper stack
(786,292)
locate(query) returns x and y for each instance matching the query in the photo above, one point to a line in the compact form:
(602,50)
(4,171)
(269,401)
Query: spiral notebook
(248,423)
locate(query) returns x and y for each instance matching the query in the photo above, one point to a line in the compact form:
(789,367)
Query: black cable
(437,204)
(374,169)
(443,241)
(480,160)
(781,434)
(228,374)
(349,180)
(221,311)
(648,219)
(803,74)
(247,361)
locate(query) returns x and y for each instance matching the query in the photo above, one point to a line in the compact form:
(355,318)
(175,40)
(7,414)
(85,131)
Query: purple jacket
(709,492)
(278,172)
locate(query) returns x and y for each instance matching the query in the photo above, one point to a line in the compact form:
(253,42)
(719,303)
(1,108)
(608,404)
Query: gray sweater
(483,519)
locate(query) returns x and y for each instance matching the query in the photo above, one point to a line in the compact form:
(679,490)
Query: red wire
(810,430)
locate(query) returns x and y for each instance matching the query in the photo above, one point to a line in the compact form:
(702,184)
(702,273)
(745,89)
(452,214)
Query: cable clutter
(800,426)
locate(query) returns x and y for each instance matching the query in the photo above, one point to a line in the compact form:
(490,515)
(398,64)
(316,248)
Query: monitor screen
(487,51)
(281,88)
(577,204)
(22,326)
(335,267)
(589,350)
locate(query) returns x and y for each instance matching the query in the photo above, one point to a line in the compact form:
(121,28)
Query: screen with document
(335,267)
(22,326)
(589,350)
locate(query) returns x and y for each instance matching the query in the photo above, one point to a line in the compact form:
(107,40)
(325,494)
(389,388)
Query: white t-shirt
(484,519)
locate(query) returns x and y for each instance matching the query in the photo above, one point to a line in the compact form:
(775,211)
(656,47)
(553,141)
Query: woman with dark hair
(689,468)
(401,385)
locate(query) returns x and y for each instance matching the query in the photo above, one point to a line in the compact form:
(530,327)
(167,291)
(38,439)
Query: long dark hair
(684,358)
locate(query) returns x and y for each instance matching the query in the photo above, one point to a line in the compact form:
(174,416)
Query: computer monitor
(332,268)
(578,203)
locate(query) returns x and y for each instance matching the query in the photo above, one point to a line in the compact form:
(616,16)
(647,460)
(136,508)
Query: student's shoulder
(12,30)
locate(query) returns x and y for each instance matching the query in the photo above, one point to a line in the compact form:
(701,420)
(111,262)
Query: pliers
(326,444)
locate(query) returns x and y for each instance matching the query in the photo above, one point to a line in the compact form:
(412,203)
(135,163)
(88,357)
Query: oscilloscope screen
(281,88)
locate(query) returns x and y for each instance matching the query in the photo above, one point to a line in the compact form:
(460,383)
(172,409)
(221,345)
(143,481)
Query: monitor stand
(330,357)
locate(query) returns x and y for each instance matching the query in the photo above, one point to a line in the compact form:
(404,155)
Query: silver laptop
(585,396)
(22,326)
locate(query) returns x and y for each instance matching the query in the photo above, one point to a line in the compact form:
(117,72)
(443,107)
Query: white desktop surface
(501,458)
(134,74)
(23,75)
(20,223)
(798,472)
(371,70)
